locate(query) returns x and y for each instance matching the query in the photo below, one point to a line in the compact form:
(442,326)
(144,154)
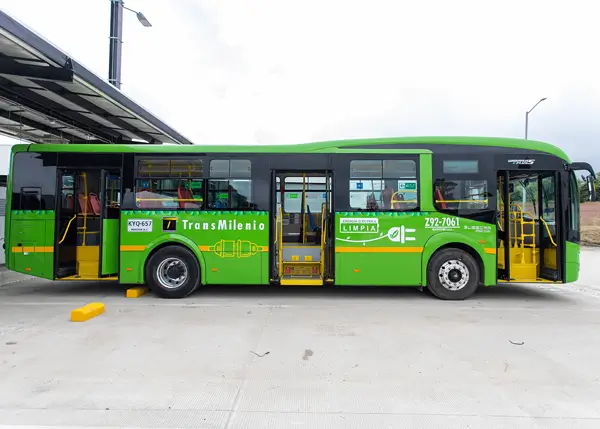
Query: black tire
(175,262)
(447,271)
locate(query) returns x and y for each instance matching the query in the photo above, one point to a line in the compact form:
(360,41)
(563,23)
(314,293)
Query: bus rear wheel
(452,274)
(173,272)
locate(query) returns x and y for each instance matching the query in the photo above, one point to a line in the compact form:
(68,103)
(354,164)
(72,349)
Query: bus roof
(318,147)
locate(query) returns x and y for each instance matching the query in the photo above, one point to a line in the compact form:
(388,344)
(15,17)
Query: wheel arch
(173,240)
(458,241)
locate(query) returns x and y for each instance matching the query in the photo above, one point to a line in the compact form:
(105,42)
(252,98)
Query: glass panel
(461,194)
(574,202)
(293,184)
(169,194)
(366,194)
(241,193)
(394,168)
(230,194)
(317,186)
(315,200)
(31,199)
(548,200)
(68,194)
(311,183)
(278,192)
(154,168)
(112,196)
(461,166)
(398,191)
(316,193)
(240,168)
(219,168)
(34,181)
(218,194)
(524,194)
(366,169)
(187,167)
(292,201)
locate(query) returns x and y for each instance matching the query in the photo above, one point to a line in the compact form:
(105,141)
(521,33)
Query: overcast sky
(247,72)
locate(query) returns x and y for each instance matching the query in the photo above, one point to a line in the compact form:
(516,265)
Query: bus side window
(33,181)
(170,184)
(31,198)
(460,187)
(460,194)
(230,184)
(384,185)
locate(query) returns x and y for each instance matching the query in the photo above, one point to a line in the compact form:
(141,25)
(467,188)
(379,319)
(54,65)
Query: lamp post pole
(116,39)
(527,116)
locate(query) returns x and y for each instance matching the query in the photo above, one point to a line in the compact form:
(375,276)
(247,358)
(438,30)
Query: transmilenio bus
(446,213)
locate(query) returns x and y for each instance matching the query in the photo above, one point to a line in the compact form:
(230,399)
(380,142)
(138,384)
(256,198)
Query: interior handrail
(67,229)
(549,233)
(85,211)
(276,230)
(323,235)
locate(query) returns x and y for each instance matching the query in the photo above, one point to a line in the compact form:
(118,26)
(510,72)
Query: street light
(527,116)
(116,39)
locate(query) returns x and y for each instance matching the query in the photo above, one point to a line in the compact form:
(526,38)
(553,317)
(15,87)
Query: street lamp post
(116,39)
(527,116)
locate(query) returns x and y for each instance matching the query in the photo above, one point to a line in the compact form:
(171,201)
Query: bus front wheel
(173,272)
(452,274)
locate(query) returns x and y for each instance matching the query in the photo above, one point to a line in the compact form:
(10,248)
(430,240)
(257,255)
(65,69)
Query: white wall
(5,146)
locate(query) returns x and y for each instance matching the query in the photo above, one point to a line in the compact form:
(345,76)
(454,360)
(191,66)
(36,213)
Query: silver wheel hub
(454,275)
(172,273)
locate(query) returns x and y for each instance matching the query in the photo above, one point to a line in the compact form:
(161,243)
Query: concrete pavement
(511,357)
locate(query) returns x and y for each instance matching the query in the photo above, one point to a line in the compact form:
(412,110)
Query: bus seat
(311,220)
(440,197)
(187,199)
(83,207)
(94,203)
(68,201)
(181,196)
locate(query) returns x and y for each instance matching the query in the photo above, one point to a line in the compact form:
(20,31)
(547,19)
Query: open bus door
(530,243)
(87,224)
(66,225)
(589,179)
(301,207)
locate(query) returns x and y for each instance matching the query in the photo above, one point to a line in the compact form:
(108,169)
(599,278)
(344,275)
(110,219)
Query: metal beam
(12,67)
(16,117)
(52,109)
(92,108)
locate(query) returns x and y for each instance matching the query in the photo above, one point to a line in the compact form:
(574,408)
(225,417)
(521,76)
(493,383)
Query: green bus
(447,213)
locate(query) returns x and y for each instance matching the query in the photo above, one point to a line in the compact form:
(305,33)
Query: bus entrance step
(301,281)
(524,272)
(301,253)
(304,269)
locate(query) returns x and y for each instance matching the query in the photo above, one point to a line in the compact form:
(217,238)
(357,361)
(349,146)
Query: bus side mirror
(511,188)
(591,187)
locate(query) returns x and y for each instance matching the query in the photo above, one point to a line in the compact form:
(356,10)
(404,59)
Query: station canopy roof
(48,97)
